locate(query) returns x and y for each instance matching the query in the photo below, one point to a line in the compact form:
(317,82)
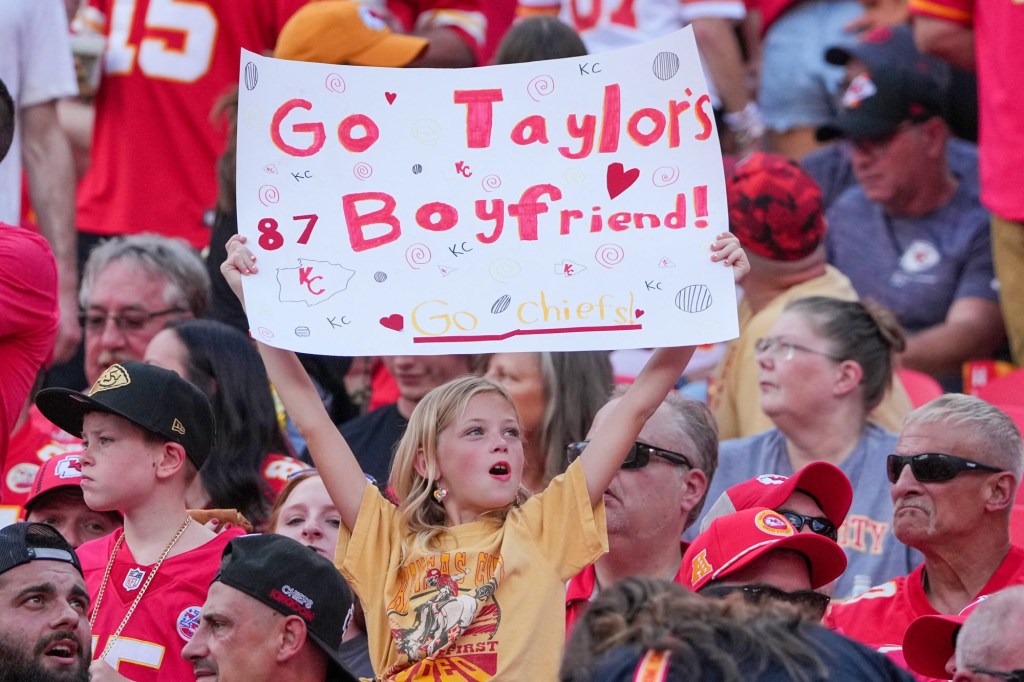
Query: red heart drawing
(390,97)
(620,179)
(394,322)
(639,312)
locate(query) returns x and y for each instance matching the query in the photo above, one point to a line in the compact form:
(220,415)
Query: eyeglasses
(127,322)
(778,349)
(818,524)
(639,455)
(1008,675)
(932,467)
(811,602)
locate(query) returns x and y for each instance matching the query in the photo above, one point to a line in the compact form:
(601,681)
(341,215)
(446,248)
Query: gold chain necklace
(142,590)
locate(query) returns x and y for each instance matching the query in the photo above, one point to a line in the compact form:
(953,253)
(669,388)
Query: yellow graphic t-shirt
(489,602)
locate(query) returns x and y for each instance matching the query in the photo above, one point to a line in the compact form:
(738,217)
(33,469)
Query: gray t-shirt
(866,536)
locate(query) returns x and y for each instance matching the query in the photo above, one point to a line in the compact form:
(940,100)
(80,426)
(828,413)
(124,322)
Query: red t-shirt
(998,25)
(28,319)
(149,647)
(154,146)
(880,617)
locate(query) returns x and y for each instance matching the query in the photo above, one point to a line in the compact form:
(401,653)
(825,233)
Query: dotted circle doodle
(380,276)
(417,255)
(426,131)
(252,76)
(490,183)
(501,305)
(665,176)
(694,298)
(666,65)
(334,83)
(268,195)
(362,170)
(504,269)
(417,169)
(609,255)
(541,86)
(302,332)
(575,175)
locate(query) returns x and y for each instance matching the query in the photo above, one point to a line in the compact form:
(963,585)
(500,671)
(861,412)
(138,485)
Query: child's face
(115,460)
(480,456)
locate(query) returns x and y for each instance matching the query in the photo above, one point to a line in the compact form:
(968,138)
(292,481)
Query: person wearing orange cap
(759,554)
(56,499)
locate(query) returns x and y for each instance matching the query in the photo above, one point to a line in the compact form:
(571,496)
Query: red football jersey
(35,442)
(154,146)
(880,617)
(149,647)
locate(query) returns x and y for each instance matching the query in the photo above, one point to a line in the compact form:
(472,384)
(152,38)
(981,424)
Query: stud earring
(440,493)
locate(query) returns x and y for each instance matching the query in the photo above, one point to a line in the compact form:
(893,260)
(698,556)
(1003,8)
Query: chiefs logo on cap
(69,467)
(773,524)
(771,479)
(114,376)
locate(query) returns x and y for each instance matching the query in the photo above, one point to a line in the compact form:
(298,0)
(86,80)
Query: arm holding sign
(332,455)
(612,440)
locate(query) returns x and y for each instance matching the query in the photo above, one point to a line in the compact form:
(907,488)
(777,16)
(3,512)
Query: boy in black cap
(276,611)
(44,634)
(145,431)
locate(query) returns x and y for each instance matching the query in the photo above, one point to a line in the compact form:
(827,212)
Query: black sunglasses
(639,455)
(932,467)
(818,524)
(1008,675)
(811,602)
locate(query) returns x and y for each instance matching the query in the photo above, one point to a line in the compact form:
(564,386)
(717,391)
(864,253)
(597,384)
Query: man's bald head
(992,638)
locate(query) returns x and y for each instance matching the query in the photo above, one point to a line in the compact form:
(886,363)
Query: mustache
(203,666)
(911,504)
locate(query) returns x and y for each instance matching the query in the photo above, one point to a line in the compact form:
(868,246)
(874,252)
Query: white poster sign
(558,205)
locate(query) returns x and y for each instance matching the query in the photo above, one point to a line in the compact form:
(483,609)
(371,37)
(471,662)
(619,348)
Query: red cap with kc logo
(63,471)
(737,540)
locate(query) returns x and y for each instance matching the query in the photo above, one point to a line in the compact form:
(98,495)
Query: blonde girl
(464,579)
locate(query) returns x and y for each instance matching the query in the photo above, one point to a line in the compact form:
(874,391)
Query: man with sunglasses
(657,494)
(911,234)
(759,554)
(954,475)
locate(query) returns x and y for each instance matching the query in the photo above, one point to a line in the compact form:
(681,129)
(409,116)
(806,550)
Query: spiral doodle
(362,170)
(490,183)
(251,76)
(666,65)
(417,255)
(575,175)
(541,86)
(609,255)
(268,195)
(334,83)
(665,176)
(504,269)
(426,131)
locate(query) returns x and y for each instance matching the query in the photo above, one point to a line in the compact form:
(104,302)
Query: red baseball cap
(825,482)
(931,640)
(737,540)
(63,471)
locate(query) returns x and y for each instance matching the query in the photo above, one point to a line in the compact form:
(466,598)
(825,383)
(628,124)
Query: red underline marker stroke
(524,332)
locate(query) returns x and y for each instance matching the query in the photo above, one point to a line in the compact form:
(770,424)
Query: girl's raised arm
(334,459)
(611,441)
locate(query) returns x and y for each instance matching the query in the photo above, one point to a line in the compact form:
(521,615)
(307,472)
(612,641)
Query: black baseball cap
(885,46)
(294,580)
(156,399)
(23,542)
